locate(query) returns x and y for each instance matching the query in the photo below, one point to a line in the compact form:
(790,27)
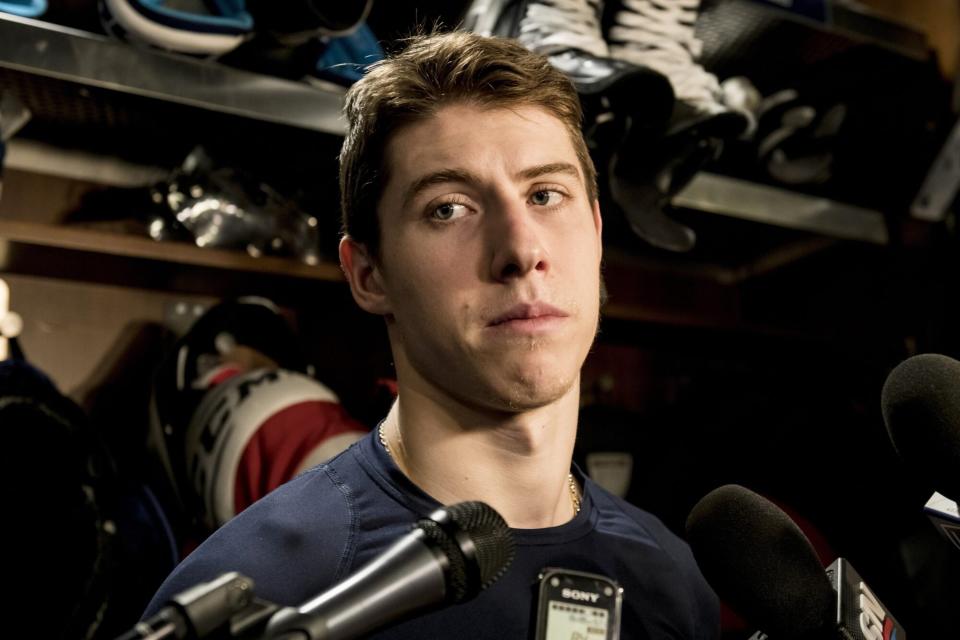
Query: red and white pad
(254,431)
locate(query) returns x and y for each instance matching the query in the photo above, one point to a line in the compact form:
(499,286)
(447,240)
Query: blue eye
(448,211)
(546,198)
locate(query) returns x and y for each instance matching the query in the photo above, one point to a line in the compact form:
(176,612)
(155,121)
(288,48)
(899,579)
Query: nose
(517,243)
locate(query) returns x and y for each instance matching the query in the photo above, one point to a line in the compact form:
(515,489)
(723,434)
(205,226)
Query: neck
(518,463)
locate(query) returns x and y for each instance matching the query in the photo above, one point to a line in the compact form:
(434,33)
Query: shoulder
(619,517)
(669,558)
(292,542)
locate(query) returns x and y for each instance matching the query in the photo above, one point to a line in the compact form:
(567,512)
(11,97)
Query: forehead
(479,139)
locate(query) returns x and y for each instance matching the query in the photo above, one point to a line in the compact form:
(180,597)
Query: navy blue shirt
(321,526)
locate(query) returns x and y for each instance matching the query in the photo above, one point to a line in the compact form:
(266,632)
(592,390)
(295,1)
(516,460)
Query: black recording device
(575,605)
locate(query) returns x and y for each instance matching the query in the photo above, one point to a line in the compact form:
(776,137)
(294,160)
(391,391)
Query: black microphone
(207,609)
(921,408)
(759,561)
(448,558)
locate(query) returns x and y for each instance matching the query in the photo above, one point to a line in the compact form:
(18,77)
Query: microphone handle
(408,577)
(859,613)
(166,624)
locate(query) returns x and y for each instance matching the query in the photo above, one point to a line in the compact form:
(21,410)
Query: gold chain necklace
(571,483)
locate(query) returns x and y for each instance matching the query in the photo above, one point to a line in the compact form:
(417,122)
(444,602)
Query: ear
(364,277)
(598,223)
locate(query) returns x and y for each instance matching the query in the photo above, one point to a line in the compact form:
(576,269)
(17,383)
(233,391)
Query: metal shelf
(40,49)
(713,193)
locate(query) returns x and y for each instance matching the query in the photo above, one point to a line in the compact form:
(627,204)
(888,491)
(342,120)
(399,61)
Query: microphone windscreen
(758,560)
(921,408)
(490,535)
(477,542)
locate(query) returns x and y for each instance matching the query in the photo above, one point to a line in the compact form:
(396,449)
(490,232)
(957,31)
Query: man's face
(490,257)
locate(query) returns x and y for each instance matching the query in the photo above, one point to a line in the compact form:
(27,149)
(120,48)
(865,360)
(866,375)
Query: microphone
(921,409)
(449,557)
(207,609)
(760,562)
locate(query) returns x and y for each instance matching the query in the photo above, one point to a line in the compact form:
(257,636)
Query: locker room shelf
(101,242)
(36,55)
(56,251)
(722,195)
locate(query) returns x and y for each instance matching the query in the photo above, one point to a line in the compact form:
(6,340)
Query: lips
(527,312)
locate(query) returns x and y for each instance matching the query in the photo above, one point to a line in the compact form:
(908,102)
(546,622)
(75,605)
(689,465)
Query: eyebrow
(437,177)
(547,169)
(462,175)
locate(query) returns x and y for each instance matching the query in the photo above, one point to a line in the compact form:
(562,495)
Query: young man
(472,226)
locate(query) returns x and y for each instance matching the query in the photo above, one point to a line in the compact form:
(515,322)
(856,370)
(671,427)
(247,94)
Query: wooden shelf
(115,244)
(90,255)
